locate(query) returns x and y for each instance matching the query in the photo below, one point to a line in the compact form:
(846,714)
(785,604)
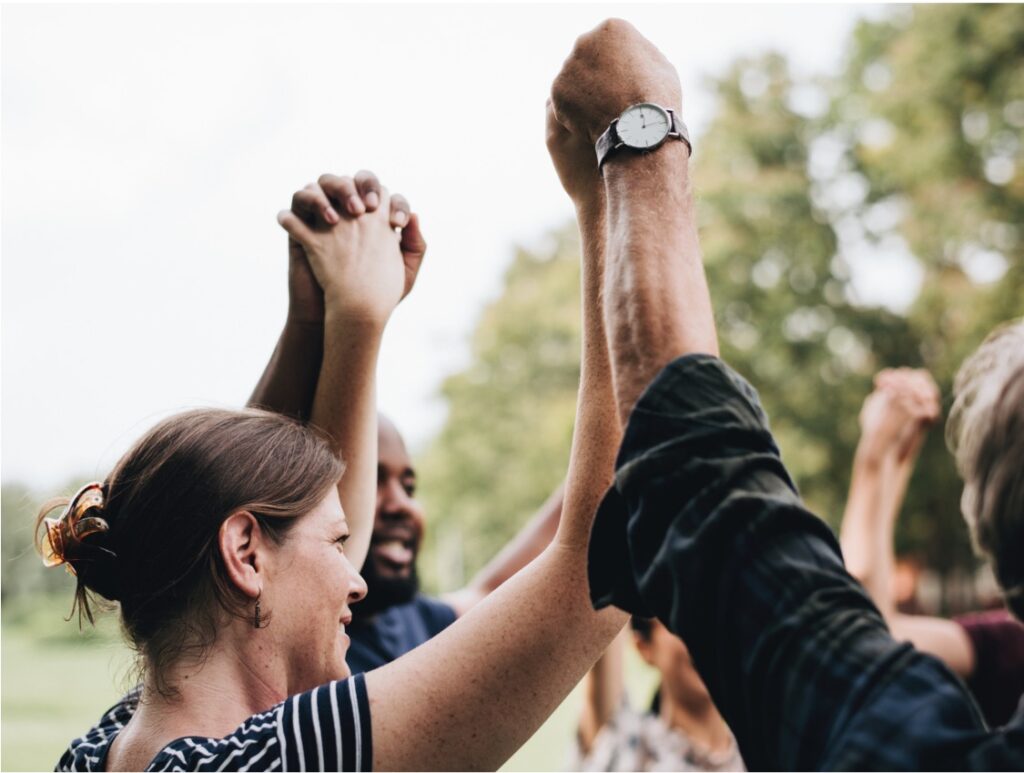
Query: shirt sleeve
(998,678)
(327,728)
(704,529)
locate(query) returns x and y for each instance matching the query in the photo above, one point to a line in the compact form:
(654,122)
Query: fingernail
(332,216)
(372,199)
(401,218)
(355,205)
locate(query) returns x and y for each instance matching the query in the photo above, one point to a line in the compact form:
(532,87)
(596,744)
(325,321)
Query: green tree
(930,110)
(925,161)
(505,444)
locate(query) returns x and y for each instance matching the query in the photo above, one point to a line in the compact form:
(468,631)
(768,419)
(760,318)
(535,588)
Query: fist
(896,415)
(610,68)
(576,164)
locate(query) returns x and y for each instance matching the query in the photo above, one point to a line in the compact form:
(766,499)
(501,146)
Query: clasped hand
(345,254)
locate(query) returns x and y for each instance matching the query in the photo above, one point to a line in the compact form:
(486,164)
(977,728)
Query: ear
(242,547)
(643,646)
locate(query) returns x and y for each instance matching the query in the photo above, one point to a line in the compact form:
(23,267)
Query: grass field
(57,682)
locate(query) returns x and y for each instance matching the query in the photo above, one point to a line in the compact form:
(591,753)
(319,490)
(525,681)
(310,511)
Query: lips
(395,551)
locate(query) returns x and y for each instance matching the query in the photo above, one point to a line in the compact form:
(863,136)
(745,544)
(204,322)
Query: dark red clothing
(998,678)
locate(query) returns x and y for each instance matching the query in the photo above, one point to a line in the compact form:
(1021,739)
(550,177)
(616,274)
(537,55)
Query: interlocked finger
(312,205)
(342,191)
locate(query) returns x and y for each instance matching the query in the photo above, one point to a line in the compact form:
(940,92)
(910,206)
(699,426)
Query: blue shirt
(705,530)
(388,635)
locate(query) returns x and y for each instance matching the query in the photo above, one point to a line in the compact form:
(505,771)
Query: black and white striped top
(327,728)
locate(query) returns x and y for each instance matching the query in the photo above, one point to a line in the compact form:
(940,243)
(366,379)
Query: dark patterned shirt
(705,530)
(327,728)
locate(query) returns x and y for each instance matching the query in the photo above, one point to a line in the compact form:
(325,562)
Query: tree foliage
(926,160)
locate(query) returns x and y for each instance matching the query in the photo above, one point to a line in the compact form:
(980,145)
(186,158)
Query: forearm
(289,381)
(345,407)
(866,534)
(598,431)
(471,696)
(602,692)
(657,301)
(721,549)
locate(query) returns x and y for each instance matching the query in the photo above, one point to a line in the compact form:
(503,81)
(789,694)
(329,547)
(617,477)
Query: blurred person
(394,617)
(986,649)
(232,542)
(682,730)
(704,529)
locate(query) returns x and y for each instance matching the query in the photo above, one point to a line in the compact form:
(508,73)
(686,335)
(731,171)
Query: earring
(256,614)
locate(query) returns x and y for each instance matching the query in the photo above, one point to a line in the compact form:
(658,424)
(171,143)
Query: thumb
(413,247)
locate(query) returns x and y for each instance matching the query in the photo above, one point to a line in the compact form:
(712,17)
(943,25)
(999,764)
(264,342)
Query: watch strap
(607,142)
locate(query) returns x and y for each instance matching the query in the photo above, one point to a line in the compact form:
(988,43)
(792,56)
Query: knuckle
(366,177)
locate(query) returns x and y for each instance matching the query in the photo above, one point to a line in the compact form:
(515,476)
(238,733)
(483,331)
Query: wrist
(355,321)
(302,319)
(590,208)
(671,159)
(870,456)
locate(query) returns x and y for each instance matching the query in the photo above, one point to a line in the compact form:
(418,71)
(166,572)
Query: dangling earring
(256,614)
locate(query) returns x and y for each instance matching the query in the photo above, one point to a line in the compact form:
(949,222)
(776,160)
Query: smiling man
(395,617)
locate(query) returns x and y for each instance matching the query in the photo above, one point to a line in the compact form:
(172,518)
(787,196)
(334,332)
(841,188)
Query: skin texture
(894,421)
(656,301)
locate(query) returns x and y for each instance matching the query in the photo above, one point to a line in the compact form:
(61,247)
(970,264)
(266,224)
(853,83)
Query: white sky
(146,150)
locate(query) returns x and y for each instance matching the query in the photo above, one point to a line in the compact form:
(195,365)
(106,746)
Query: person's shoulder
(992,620)
(437,614)
(326,728)
(89,752)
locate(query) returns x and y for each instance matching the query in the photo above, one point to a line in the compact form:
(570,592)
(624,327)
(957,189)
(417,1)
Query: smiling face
(309,594)
(390,567)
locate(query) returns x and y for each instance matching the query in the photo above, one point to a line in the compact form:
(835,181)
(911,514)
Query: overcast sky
(146,150)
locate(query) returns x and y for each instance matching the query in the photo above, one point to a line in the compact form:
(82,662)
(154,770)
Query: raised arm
(894,421)
(364,269)
(468,698)
(652,314)
(521,550)
(714,540)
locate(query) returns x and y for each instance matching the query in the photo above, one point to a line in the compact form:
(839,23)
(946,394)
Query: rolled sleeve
(705,529)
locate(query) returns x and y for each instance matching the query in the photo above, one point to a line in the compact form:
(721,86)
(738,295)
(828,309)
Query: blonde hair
(985,432)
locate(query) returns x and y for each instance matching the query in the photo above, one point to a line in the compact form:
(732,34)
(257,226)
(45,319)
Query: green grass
(57,682)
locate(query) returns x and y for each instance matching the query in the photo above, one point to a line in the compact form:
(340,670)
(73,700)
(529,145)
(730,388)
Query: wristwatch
(643,127)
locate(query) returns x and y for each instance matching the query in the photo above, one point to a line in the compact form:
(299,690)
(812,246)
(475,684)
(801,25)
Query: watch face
(643,126)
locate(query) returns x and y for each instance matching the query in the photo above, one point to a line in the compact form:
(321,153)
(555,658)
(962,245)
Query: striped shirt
(327,728)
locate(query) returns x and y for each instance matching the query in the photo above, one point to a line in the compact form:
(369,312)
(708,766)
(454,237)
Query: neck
(211,698)
(698,719)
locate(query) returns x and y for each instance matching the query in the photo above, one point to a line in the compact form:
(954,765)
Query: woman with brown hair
(232,542)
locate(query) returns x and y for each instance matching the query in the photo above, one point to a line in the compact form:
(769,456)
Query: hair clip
(71,526)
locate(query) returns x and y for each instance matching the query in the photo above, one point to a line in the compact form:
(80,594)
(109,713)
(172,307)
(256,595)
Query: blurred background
(858,172)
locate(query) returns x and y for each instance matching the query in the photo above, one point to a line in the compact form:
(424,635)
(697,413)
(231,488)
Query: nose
(356,587)
(394,498)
